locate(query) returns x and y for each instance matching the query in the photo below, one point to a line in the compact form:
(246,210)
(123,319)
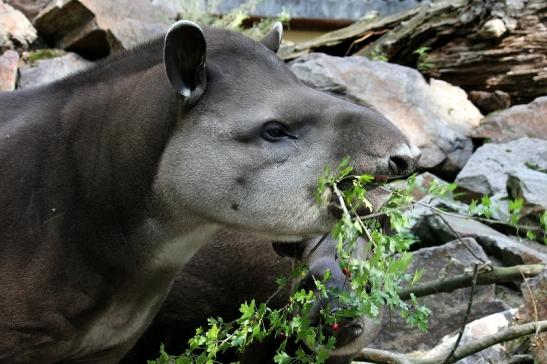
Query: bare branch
(496,275)
(507,334)
(382,356)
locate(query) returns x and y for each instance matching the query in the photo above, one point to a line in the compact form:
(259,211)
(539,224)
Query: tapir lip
(355,328)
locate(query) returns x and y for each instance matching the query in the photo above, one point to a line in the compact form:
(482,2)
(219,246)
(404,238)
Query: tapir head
(251,140)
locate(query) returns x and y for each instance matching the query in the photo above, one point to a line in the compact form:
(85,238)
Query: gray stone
(423,208)
(8,70)
(16,31)
(514,169)
(434,230)
(475,330)
(514,251)
(492,29)
(96,28)
(424,182)
(49,70)
(30,8)
(174,8)
(448,309)
(436,116)
(517,122)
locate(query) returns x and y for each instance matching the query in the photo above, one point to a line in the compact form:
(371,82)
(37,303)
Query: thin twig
(472,294)
(536,318)
(458,236)
(338,194)
(317,245)
(467,217)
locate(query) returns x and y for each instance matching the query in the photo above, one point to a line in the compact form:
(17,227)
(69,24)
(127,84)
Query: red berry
(335,326)
(281,336)
(346,272)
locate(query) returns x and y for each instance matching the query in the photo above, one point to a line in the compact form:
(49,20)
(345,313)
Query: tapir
(238,267)
(112,178)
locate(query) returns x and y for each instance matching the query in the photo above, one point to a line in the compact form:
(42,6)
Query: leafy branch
(376,282)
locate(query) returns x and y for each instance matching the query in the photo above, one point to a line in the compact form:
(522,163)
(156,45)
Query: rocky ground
(502,155)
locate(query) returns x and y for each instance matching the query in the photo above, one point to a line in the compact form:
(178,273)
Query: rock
(421,210)
(176,8)
(48,70)
(488,102)
(436,116)
(475,330)
(30,8)
(537,286)
(15,29)
(448,309)
(514,169)
(432,230)
(424,182)
(96,28)
(493,29)
(512,251)
(8,70)
(519,121)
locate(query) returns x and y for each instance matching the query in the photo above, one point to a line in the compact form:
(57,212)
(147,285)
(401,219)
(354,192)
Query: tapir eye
(275,131)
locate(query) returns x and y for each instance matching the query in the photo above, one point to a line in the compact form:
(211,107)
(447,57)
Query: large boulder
(8,70)
(48,70)
(16,31)
(447,309)
(528,120)
(514,169)
(96,28)
(436,116)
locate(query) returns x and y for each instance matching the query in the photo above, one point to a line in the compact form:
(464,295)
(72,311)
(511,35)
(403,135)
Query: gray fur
(110,180)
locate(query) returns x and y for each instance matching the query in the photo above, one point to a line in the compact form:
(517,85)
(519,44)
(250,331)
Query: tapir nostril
(404,161)
(398,164)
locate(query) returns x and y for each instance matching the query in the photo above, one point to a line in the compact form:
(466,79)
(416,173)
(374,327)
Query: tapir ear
(184,57)
(272,40)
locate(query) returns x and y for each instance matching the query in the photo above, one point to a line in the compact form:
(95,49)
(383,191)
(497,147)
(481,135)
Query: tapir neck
(120,137)
(92,151)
